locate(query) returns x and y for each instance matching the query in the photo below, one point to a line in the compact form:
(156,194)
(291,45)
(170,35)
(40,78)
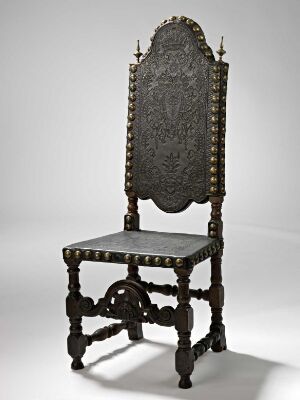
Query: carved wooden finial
(138,52)
(221,50)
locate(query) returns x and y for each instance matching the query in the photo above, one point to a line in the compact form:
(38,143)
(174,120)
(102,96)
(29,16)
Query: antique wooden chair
(175,155)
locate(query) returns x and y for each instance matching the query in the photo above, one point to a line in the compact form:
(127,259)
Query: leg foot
(221,344)
(185,382)
(135,331)
(77,363)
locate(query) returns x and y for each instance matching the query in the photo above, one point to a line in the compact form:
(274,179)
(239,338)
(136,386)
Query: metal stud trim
(138,259)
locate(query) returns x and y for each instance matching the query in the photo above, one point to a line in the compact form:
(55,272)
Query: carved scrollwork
(164,316)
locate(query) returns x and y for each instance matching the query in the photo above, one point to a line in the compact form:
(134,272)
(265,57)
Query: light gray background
(63,94)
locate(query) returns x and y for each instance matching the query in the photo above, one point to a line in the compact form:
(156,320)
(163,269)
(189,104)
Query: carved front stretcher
(175,155)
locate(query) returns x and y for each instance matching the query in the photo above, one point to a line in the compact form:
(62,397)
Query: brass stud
(225,77)
(214,119)
(128,227)
(130,135)
(214,139)
(213,190)
(224,99)
(131,117)
(77,254)
(147,260)
(179,262)
(189,21)
(222,139)
(168,262)
(225,67)
(182,18)
(214,129)
(204,46)
(137,259)
(87,254)
(208,53)
(216,68)
(107,256)
(129,175)
(132,77)
(214,150)
(223,109)
(157,260)
(223,150)
(213,226)
(132,87)
(222,189)
(214,109)
(129,126)
(216,88)
(213,160)
(215,98)
(223,180)
(129,165)
(133,68)
(129,156)
(222,160)
(216,78)
(129,146)
(200,38)
(132,97)
(172,18)
(127,258)
(223,129)
(223,120)
(67,253)
(223,170)
(131,107)
(213,180)
(97,255)
(196,28)
(213,170)
(128,218)
(224,88)
(128,185)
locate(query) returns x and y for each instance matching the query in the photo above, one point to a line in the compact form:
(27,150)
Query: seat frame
(128,299)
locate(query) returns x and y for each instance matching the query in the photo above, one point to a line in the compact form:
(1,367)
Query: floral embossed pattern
(170,157)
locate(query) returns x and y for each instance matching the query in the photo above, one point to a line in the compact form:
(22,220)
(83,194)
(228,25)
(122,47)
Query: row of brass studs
(130,134)
(218,122)
(128,222)
(137,259)
(127,258)
(212,228)
(208,252)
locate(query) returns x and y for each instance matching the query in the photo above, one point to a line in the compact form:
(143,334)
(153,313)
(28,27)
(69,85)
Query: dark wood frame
(134,305)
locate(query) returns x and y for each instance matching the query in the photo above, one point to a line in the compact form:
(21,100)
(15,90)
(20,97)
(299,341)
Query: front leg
(184,357)
(77,341)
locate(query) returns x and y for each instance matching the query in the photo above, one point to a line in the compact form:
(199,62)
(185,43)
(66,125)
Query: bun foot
(77,364)
(185,382)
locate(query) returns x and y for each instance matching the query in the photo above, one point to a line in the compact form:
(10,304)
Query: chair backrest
(176,119)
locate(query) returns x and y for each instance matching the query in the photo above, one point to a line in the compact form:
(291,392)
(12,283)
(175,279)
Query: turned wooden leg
(135,329)
(184,357)
(216,301)
(77,342)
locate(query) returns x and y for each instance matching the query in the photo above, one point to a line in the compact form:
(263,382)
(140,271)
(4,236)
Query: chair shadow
(227,375)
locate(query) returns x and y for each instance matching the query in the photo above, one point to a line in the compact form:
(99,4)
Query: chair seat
(149,248)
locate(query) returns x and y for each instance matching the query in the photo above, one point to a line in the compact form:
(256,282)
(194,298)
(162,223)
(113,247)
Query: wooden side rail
(205,343)
(106,332)
(172,290)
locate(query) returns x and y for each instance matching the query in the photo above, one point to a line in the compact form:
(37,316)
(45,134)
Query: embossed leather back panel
(170,127)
